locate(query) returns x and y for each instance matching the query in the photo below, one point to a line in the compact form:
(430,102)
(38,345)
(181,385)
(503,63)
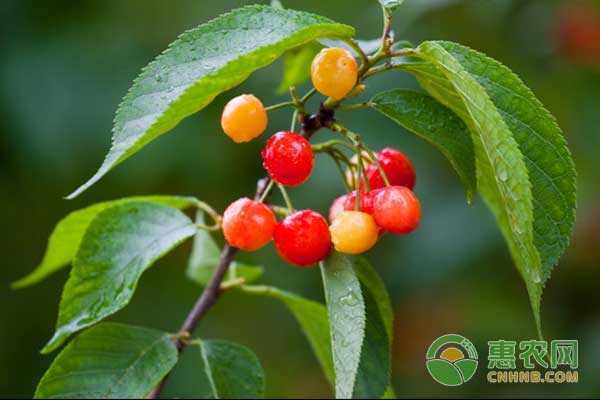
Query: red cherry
(337,206)
(366,201)
(248,224)
(397,167)
(288,158)
(396,209)
(302,238)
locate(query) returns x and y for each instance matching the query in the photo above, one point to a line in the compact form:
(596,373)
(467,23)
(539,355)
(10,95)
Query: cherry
(366,201)
(334,72)
(244,118)
(353,232)
(396,209)
(354,162)
(288,158)
(337,206)
(397,167)
(248,224)
(302,238)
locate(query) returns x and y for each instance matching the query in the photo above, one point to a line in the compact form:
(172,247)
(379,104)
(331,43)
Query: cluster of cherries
(386,202)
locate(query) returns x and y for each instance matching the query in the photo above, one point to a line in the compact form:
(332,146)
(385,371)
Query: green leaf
(66,237)
(391,4)
(296,65)
(373,378)
(432,121)
(205,258)
(372,283)
(540,139)
(119,245)
(233,371)
(110,361)
(524,169)
(347,319)
(314,321)
(201,64)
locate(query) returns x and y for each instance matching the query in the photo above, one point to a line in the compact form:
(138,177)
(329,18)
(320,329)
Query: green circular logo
(452,360)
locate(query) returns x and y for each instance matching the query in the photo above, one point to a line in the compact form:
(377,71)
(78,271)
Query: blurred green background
(65,66)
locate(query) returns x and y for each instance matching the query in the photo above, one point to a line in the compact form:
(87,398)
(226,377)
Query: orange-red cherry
(396,209)
(248,224)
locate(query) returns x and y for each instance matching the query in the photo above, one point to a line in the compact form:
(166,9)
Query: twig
(205,301)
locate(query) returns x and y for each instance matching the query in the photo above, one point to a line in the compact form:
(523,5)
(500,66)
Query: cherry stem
(363,57)
(342,173)
(329,145)
(339,158)
(330,148)
(278,210)
(364,170)
(294,118)
(286,197)
(267,191)
(280,105)
(357,141)
(359,165)
(308,95)
(342,157)
(378,164)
